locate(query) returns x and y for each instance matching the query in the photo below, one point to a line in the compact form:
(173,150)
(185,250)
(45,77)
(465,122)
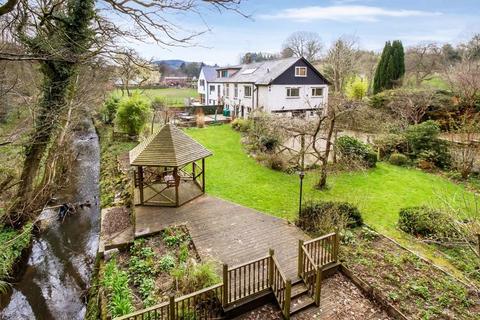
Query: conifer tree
(391,66)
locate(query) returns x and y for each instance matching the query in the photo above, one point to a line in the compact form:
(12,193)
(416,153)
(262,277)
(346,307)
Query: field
(379,193)
(173,97)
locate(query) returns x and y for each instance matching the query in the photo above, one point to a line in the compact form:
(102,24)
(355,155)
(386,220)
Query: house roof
(168,147)
(210,73)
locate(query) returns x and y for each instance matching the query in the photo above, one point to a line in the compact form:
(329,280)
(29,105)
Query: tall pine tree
(391,67)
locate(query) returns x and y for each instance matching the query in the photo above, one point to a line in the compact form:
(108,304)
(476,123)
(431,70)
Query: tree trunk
(57,76)
(322,183)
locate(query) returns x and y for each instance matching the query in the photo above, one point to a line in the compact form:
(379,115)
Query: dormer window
(300,71)
(224,74)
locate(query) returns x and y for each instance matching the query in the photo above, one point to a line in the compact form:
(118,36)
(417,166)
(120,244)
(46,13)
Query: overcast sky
(372,22)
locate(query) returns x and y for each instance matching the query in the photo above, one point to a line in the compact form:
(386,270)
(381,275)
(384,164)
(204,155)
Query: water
(61,261)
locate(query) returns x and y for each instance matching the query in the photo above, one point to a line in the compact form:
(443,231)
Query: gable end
(314,77)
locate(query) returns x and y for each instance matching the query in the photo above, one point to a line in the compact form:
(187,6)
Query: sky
(226,35)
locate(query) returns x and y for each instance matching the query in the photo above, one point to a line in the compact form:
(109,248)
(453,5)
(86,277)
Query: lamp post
(301,174)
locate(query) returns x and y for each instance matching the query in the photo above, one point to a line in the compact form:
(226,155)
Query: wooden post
(271,252)
(140,183)
(193,170)
(203,175)
(288,299)
(478,236)
(336,245)
(177,181)
(300,258)
(171,307)
(318,285)
(226,286)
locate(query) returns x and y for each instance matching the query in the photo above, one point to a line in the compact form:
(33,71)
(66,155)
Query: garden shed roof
(168,147)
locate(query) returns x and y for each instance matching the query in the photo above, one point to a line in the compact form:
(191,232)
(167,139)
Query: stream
(61,261)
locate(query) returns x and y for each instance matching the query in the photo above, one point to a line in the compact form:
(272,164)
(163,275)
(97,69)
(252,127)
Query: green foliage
(183,253)
(399,159)
(391,66)
(356,88)
(391,143)
(351,149)
(147,291)
(13,243)
(195,276)
(109,109)
(133,113)
(116,283)
(325,216)
(425,145)
(242,125)
(166,263)
(426,222)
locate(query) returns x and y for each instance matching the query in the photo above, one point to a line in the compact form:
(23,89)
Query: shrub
(109,109)
(275,162)
(268,143)
(356,88)
(325,216)
(425,146)
(133,113)
(242,125)
(398,159)
(426,222)
(351,149)
(166,263)
(391,143)
(194,276)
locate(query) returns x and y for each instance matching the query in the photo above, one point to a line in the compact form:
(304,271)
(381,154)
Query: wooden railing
(310,273)
(245,280)
(202,304)
(323,250)
(281,286)
(313,256)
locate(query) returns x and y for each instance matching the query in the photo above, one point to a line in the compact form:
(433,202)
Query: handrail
(319,238)
(247,263)
(155,308)
(281,286)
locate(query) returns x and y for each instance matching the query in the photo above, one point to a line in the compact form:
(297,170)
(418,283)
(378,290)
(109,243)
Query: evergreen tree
(391,67)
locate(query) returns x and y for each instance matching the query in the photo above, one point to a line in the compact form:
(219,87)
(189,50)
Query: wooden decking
(227,232)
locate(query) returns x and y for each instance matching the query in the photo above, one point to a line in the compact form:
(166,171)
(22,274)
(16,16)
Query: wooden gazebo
(167,170)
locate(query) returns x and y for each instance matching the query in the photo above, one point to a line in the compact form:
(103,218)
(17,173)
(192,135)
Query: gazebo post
(177,180)
(193,170)
(140,183)
(203,175)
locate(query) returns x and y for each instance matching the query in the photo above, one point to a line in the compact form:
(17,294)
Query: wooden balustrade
(281,286)
(323,250)
(158,312)
(203,304)
(245,280)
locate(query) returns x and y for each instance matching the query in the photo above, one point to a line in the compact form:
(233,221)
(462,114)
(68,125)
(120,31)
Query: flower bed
(415,287)
(153,269)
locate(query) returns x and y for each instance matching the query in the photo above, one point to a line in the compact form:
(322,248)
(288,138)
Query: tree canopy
(391,67)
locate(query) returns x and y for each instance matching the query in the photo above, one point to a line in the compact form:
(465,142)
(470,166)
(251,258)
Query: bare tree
(423,60)
(131,69)
(411,105)
(303,44)
(464,81)
(62,36)
(340,61)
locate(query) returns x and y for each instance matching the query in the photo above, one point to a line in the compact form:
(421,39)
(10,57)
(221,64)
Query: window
(317,92)
(224,74)
(202,83)
(247,91)
(212,88)
(293,92)
(235,91)
(227,90)
(300,71)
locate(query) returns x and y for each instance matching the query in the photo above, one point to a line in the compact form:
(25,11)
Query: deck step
(298,289)
(301,303)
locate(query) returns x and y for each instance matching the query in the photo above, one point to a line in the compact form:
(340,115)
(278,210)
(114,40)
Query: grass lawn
(379,193)
(173,97)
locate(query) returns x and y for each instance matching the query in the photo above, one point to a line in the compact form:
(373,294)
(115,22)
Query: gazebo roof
(168,147)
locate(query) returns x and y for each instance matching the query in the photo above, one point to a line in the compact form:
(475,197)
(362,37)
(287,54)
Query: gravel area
(114,220)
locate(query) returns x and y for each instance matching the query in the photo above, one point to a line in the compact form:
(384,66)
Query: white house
(291,86)
(209,91)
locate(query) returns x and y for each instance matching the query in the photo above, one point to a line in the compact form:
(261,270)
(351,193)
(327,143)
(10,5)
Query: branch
(8,7)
